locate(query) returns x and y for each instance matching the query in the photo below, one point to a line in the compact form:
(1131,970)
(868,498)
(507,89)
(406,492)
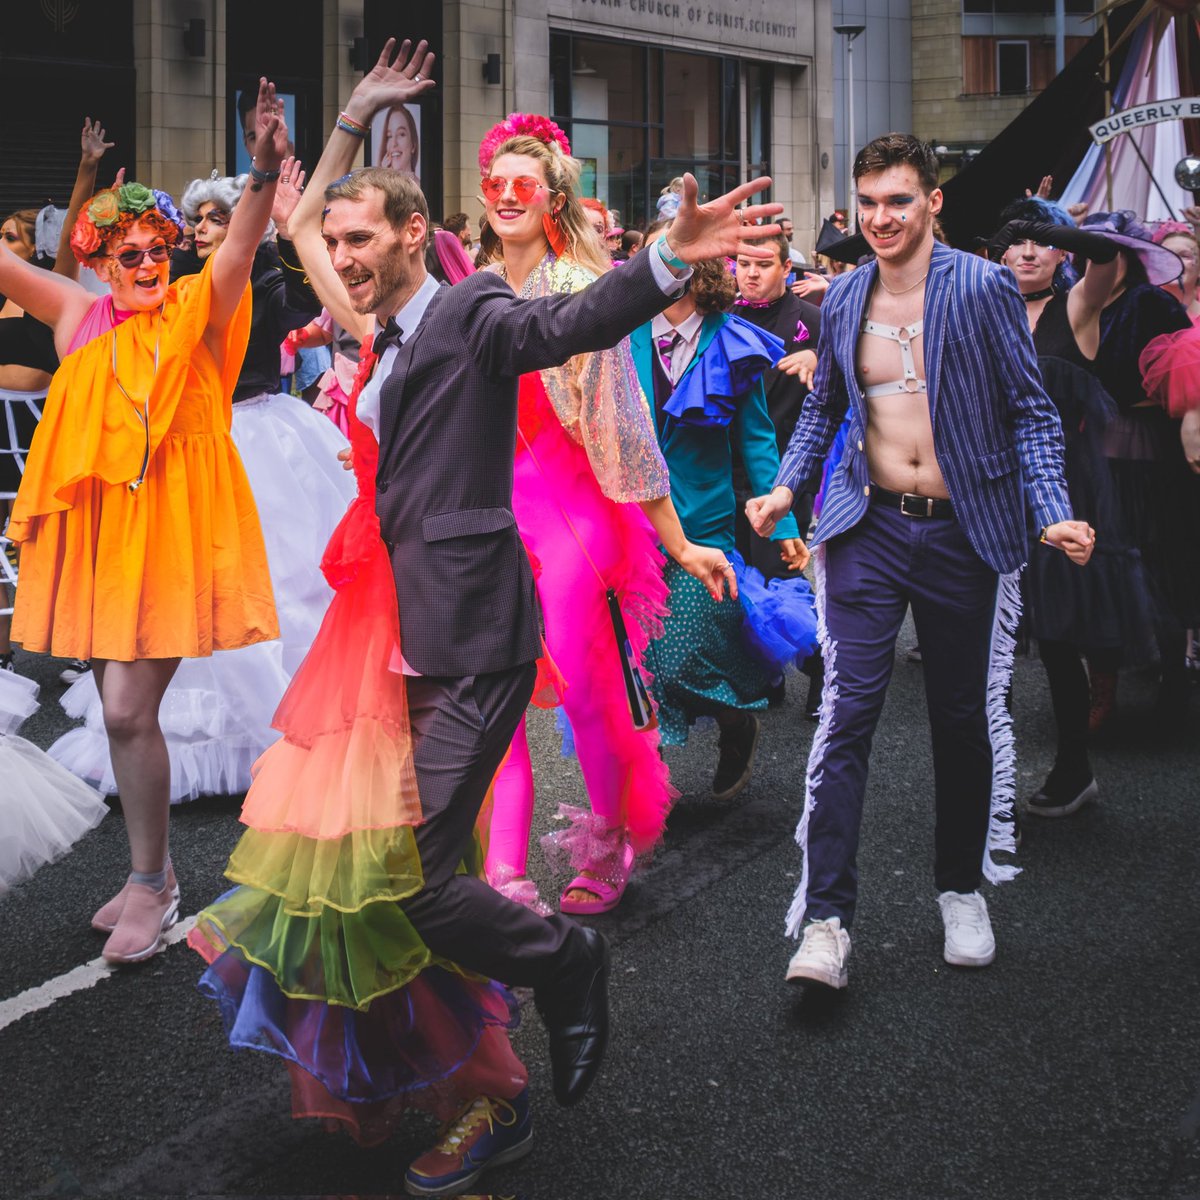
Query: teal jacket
(700,459)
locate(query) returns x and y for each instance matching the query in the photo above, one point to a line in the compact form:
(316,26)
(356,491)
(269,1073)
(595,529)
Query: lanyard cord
(142,413)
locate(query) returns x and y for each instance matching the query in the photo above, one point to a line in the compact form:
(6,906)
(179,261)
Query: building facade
(883,77)
(646,89)
(977,63)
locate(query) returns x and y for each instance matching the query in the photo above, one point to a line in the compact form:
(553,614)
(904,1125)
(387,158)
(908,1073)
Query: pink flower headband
(521,125)
(1168,229)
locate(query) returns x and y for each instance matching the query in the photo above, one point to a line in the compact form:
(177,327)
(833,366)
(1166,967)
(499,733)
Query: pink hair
(452,256)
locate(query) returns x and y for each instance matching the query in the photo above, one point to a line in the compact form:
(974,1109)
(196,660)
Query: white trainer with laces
(822,955)
(969,940)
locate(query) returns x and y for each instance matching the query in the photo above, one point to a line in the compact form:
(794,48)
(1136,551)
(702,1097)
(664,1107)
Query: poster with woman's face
(396,139)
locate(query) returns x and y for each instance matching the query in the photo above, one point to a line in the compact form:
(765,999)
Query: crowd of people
(317,496)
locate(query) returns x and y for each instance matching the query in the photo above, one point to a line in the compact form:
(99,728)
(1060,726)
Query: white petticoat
(216,715)
(44,810)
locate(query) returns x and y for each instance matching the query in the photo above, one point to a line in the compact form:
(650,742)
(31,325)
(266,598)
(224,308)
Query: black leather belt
(910,504)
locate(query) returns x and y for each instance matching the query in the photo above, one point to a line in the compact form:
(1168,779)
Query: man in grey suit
(443,402)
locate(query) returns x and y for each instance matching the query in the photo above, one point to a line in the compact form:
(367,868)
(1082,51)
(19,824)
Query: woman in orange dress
(139,537)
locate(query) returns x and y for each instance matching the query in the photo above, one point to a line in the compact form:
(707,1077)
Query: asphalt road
(1069,1069)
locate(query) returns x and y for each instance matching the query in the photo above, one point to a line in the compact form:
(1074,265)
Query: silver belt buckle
(917,502)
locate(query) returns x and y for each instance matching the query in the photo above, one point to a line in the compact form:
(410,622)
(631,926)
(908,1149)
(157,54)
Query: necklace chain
(143,412)
(902,291)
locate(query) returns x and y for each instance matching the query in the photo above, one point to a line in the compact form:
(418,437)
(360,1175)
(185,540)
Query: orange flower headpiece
(110,214)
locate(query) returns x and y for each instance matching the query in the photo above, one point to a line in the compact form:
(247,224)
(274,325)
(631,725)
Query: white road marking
(78,980)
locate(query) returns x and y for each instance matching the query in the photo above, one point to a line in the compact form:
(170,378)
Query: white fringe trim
(816,755)
(1000,729)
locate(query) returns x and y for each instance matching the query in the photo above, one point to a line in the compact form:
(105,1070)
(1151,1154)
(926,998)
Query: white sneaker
(75,671)
(822,954)
(969,940)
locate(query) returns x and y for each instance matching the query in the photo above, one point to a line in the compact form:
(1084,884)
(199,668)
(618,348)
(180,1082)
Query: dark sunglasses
(525,187)
(130,259)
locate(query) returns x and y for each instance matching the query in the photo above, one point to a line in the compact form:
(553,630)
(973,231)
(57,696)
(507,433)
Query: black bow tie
(390,335)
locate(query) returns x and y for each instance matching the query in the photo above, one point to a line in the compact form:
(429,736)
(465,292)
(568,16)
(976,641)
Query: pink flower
(521,125)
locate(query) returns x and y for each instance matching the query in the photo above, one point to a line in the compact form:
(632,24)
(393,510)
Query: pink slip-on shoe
(606,882)
(146,916)
(108,914)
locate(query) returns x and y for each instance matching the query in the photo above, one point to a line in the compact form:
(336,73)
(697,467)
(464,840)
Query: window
(1012,68)
(637,116)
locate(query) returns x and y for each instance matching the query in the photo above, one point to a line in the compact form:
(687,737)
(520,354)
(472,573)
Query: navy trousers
(873,573)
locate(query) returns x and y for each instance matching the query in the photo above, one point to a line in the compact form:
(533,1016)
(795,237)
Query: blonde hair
(562,176)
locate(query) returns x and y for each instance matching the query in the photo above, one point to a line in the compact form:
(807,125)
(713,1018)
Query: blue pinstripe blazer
(996,433)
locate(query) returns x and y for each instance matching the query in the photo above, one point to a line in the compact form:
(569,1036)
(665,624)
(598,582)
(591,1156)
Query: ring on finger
(417,77)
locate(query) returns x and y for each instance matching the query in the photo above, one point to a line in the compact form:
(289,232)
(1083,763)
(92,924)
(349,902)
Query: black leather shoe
(575,1013)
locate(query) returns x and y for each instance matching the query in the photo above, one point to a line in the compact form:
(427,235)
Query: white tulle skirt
(44,810)
(216,715)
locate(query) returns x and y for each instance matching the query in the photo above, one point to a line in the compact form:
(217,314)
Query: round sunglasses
(131,259)
(525,187)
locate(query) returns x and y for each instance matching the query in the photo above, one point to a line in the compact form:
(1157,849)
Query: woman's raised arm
(231,266)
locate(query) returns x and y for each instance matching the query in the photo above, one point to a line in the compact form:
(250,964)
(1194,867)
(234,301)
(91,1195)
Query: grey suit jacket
(448,420)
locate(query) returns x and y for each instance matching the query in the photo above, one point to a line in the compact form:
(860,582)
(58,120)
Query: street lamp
(851,32)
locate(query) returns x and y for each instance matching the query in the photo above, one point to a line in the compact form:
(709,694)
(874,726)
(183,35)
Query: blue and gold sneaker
(488,1132)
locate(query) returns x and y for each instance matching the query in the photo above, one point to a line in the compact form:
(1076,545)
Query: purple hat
(1123,227)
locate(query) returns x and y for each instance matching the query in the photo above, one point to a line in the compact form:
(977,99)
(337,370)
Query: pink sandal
(607,889)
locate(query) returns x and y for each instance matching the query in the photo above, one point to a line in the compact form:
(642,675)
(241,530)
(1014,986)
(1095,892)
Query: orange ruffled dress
(176,568)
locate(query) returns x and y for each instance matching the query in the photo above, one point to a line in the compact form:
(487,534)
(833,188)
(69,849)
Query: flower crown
(521,125)
(111,212)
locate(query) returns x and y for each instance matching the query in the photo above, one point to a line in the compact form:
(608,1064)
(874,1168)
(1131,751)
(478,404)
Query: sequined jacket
(599,400)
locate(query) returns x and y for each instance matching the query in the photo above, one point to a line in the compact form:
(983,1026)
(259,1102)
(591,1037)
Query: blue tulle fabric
(708,394)
(780,614)
(563,724)
(408,1041)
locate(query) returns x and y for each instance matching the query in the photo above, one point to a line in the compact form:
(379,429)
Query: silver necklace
(901,292)
(143,412)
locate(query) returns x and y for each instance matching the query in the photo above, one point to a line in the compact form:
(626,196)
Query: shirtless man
(951,435)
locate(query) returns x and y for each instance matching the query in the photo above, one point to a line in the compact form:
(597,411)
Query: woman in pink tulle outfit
(588,475)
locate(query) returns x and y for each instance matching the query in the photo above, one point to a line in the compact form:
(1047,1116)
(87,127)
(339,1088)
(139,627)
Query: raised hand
(811,286)
(91,141)
(719,229)
(391,81)
(270,128)
(287,192)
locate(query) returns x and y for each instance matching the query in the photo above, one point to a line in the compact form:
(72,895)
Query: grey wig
(222,190)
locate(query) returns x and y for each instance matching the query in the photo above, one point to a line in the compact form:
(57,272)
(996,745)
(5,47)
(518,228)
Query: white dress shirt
(684,349)
(408,318)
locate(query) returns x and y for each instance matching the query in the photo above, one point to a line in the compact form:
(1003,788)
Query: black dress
(1157,494)
(1105,605)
